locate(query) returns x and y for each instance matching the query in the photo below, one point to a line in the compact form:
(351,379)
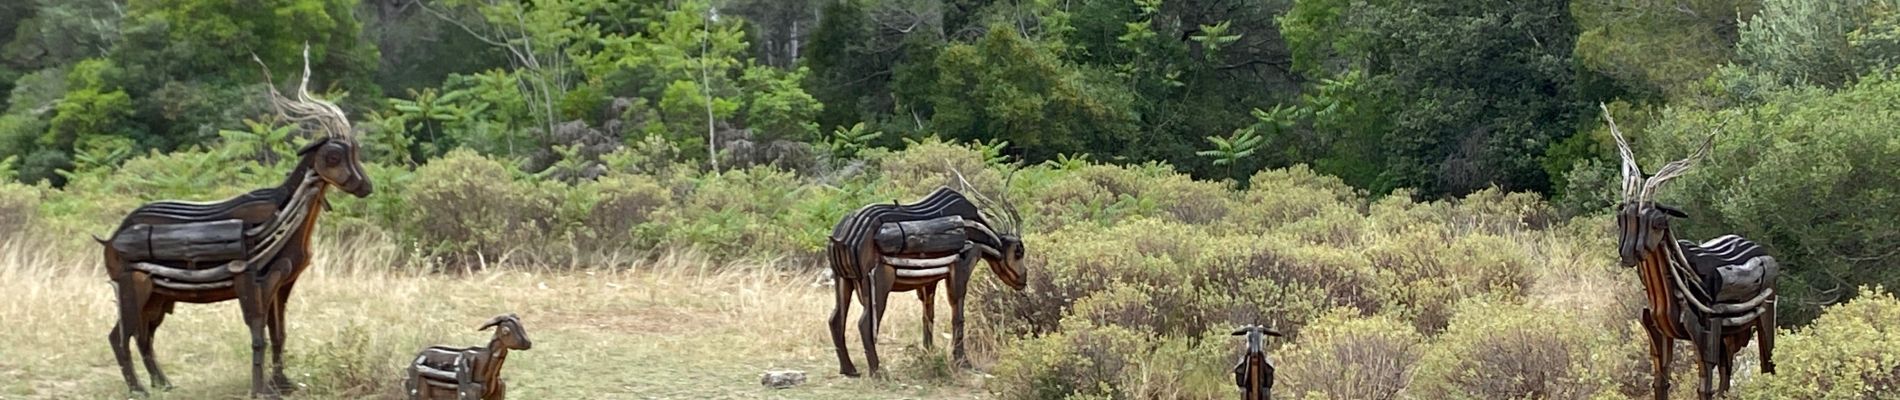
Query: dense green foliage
(1393,182)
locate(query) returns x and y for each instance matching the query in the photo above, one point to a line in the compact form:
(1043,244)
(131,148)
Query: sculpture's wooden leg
(876,290)
(122,349)
(844,287)
(122,333)
(1661,354)
(1765,335)
(413,388)
(928,294)
(252,301)
(1708,351)
(276,323)
(154,315)
(959,291)
(500,389)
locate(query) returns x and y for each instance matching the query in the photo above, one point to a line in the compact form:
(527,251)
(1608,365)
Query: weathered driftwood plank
(922,236)
(197,241)
(208,272)
(253,208)
(191,286)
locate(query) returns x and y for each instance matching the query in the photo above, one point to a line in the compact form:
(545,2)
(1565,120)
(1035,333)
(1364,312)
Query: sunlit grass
(677,327)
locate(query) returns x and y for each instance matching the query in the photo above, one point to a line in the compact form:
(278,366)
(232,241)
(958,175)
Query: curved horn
(977,194)
(984,229)
(1675,169)
(1632,173)
(1015,219)
(306,110)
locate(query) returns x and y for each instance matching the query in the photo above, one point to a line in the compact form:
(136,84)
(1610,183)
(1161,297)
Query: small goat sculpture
(1254,373)
(470,373)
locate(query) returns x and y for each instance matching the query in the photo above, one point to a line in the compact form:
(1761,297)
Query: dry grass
(672,328)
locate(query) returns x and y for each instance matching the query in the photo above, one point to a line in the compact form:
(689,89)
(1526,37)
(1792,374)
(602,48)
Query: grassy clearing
(672,328)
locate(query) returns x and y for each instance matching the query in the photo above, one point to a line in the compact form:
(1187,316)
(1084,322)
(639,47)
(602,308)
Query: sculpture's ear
(1672,211)
(492,322)
(1242,331)
(314,144)
(1270,332)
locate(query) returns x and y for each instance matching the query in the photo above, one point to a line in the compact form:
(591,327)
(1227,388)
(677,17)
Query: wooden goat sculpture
(1717,294)
(250,248)
(884,248)
(1254,373)
(467,373)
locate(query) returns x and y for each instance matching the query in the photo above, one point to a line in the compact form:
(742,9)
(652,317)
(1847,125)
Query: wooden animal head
(1010,266)
(334,153)
(508,330)
(1009,260)
(337,163)
(1642,223)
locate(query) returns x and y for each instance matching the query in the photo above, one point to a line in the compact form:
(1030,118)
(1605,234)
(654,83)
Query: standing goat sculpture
(1717,294)
(1254,373)
(884,248)
(467,373)
(250,248)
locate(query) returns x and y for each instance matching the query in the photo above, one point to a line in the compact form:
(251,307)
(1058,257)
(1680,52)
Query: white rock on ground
(782,379)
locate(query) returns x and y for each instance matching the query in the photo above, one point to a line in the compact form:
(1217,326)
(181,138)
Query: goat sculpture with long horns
(884,248)
(1717,294)
(250,248)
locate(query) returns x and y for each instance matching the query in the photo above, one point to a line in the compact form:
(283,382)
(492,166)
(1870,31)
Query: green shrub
(1851,352)
(1499,350)
(472,209)
(1088,361)
(925,165)
(1344,356)
(618,212)
(1278,197)
(1423,274)
(742,213)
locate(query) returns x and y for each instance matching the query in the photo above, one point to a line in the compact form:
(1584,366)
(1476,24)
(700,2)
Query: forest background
(1386,180)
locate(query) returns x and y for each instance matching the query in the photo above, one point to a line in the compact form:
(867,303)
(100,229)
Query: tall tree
(1475,91)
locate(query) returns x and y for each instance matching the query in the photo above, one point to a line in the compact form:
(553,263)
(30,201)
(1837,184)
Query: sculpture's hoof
(850,372)
(283,385)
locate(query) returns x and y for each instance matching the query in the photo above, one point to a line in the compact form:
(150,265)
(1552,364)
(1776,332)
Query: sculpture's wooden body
(251,248)
(1716,295)
(467,373)
(884,248)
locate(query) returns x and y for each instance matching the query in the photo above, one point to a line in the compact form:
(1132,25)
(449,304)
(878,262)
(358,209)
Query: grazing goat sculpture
(1715,294)
(1254,373)
(467,373)
(250,248)
(884,248)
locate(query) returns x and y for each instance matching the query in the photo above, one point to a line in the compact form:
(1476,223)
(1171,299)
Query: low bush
(1851,352)
(1089,361)
(472,209)
(1344,356)
(1500,350)
(618,212)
